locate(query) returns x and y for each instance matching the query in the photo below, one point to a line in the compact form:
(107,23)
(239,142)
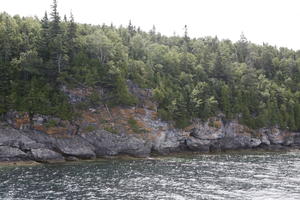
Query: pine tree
(43,48)
(55,29)
(131,29)
(71,35)
(186,49)
(56,40)
(242,48)
(225,101)
(152,34)
(5,87)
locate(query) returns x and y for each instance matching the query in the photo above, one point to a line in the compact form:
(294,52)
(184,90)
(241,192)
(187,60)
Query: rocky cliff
(161,138)
(136,131)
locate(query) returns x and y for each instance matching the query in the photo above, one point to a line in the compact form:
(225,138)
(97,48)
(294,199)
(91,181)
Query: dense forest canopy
(190,77)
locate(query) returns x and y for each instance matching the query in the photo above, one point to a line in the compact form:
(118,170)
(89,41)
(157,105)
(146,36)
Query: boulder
(110,144)
(67,146)
(9,154)
(297,139)
(46,155)
(200,145)
(275,136)
(279,137)
(15,138)
(264,139)
(205,131)
(168,141)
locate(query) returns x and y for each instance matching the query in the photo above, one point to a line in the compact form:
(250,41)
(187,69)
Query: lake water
(255,175)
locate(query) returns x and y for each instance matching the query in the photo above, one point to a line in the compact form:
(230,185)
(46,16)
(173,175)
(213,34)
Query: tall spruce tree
(43,48)
(71,35)
(56,43)
(55,28)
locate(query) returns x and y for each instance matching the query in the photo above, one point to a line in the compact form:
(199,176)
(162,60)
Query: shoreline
(28,147)
(19,163)
(151,157)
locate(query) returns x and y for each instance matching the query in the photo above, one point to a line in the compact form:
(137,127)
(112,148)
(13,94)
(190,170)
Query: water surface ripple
(256,175)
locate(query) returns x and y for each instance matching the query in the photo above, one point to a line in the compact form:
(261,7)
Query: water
(256,175)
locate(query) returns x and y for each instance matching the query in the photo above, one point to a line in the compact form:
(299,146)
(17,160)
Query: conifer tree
(71,35)
(45,38)
(55,29)
(56,43)
(5,87)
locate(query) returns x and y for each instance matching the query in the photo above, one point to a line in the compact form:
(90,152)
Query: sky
(276,22)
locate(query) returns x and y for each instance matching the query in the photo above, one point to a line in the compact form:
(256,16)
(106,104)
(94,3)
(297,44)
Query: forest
(259,85)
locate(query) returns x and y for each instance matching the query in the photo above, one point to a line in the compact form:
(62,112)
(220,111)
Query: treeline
(190,78)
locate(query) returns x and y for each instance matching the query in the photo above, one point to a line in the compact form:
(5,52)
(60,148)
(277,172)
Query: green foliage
(134,126)
(89,128)
(182,122)
(119,92)
(189,78)
(82,105)
(51,123)
(94,99)
(164,114)
(111,130)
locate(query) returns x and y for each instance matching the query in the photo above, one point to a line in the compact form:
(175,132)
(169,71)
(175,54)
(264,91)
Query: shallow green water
(218,176)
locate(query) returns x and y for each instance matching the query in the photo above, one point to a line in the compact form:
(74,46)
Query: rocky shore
(213,135)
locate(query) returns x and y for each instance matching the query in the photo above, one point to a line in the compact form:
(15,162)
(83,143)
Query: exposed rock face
(137,131)
(70,146)
(169,141)
(232,135)
(162,138)
(18,145)
(46,155)
(196,144)
(204,131)
(109,144)
(277,136)
(8,153)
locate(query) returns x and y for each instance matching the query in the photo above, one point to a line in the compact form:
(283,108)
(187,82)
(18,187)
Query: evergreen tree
(56,41)
(242,48)
(71,35)
(256,84)
(55,28)
(225,101)
(45,39)
(5,89)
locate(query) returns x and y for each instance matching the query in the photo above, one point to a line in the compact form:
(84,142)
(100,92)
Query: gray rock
(228,136)
(264,139)
(71,146)
(274,135)
(254,142)
(297,139)
(109,144)
(289,141)
(71,158)
(168,141)
(14,138)
(8,153)
(205,132)
(196,144)
(16,145)
(239,142)
(46,155)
